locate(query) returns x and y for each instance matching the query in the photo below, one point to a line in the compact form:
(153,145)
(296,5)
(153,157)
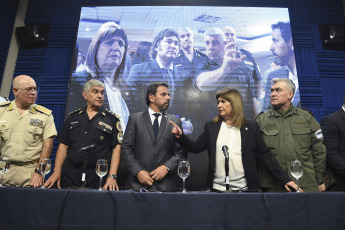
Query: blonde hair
(234,97)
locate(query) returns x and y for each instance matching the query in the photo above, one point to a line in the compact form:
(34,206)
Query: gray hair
(290,83)
(92,83)
(215,32)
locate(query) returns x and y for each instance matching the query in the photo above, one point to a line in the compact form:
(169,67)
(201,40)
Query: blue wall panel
(8,12)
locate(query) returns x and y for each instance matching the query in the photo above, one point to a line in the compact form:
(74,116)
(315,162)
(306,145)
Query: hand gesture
(176,131)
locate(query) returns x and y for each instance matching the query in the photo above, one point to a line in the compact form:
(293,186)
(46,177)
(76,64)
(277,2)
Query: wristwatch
(37,170)
(114,176)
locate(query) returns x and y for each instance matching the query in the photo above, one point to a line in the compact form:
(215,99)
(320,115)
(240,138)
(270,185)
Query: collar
(13,106)
(281,113)
(171,67)
(151,112)
(101,111)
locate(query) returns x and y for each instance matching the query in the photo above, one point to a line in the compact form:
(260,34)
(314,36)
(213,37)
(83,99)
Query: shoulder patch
(43,110)
(111,113)
(120,137)
(5,103)
(74,111)
(308,111)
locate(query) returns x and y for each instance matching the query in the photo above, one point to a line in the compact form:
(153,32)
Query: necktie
(155,124)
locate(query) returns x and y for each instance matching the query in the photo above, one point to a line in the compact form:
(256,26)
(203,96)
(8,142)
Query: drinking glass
(4,166)
(101,170)
(44,167)
(183,172)
(296,171)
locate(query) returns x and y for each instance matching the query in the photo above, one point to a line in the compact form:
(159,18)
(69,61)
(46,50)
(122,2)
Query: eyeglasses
(29,90)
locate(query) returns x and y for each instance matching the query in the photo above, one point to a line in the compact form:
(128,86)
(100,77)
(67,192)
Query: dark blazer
(254,152)
(142,75)
(141,152)
(333,129)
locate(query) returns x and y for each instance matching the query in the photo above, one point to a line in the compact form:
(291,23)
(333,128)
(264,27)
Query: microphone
(226,154)
(225,151)
(87,148)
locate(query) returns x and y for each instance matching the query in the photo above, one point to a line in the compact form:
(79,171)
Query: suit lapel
(213,142)
(244,138)
(147,120)
(162,126)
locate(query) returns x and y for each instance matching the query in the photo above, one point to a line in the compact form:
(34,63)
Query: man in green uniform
(292,134)
(27,131)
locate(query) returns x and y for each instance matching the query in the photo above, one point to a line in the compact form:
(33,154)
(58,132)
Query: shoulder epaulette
(307,110)
(5,103)
(258,115)
(43,110)
(111,113)
(74,111)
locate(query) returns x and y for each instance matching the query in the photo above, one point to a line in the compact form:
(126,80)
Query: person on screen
(247,151)
(27,133)
(231,36)
(149,150)
(228,67)
(88,134)
(164,50)
(292,134)
(106,61)
(333,129)
(80,65)
(143,53)
(283,50)
(190,58)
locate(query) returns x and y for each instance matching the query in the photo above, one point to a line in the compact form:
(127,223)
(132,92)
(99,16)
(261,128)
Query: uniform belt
(21,163)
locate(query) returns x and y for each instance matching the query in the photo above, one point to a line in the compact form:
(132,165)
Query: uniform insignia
(101,138)
(43,110)
(5,103)
(36,122)
(120,137)
(319,134)
(119,126)
(103,113)
(74,122)
(113,114)
(75,111)
(101,123)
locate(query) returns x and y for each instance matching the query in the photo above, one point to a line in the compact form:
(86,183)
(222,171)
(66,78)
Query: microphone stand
(227,181)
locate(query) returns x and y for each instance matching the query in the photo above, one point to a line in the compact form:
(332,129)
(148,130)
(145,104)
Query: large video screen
(197,50)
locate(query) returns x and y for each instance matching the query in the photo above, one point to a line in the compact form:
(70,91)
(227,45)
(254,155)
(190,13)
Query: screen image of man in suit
(149,150)
(333,129)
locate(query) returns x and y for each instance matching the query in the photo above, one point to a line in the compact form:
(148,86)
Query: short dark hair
(152,89)
(285,30)
(159,37)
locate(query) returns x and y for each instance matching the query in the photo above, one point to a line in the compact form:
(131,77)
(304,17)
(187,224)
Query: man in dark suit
(333,129)
(149,150)
(164,48)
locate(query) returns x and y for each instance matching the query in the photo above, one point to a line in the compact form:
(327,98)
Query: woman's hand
(176,131)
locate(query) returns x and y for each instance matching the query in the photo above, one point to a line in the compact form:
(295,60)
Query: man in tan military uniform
(292,134)
(27,132)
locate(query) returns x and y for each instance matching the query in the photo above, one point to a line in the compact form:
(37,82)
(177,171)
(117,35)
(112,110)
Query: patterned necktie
(155,124)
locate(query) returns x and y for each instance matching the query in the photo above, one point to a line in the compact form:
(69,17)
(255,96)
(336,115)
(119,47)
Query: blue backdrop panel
(8,11)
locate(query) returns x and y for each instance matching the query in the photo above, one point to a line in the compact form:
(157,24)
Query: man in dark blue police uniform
(88,134)
(189,58)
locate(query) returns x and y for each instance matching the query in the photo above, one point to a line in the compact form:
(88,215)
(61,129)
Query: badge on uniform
(120,137)
(118,126)
(36,122)
(319,134)
(105,125)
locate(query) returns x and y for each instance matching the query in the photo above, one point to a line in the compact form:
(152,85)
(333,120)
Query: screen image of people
(196,50)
